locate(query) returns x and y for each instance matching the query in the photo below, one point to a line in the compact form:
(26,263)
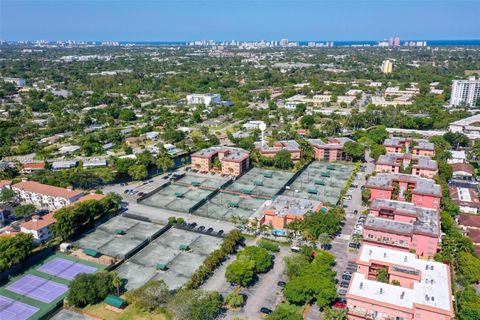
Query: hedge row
(214,259)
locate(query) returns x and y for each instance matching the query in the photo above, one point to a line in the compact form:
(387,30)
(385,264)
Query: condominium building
(402,226)
(412,288)
(396,162)
(291,146)
(45,196)
(465,92)
(39,226)
(231,161)
(420,191)
(331,151)
(203,98)
(387,66)
(468,126)
(420,147)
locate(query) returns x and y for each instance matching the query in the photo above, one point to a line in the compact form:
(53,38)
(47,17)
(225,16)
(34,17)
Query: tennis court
(38,288)
(119,236)
(204,180)
(261,182)
(178,197)
(321,181)
(15,310)
(65,269)
(225,205)
(177,264)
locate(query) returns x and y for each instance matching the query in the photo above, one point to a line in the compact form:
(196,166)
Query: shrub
(268,245)
(88,289)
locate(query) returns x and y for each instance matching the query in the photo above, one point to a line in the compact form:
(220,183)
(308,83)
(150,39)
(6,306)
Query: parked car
(354,245)
(344,284)
(342,292)
(209,230)
(265,310)
(220,232)
(281,283)
(201,228)
(346,277)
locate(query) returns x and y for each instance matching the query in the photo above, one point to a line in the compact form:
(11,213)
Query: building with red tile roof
(44,195)
(31,167)
(39,226)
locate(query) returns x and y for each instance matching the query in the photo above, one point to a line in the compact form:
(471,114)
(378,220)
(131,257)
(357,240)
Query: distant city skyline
(239,20)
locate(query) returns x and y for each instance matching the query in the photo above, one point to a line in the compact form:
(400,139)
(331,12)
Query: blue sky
(179,20)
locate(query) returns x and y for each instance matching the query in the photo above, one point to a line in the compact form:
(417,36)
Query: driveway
(340,248)
(266,292)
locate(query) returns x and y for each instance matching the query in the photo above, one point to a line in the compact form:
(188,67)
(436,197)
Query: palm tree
(324,239)
(117,282)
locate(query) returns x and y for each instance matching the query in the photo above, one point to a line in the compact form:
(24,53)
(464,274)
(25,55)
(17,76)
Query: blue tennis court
(15,310)
(65,269)
(38,288)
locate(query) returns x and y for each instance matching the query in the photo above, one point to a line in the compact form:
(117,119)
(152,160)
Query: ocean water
(433,43)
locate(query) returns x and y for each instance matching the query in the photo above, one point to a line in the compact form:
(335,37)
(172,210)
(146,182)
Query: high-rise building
(396,42)
(284,42)
(387,66)
(465,92)
(390,42)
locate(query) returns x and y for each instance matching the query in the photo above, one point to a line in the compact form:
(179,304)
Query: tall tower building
(465,92)
(396,42)
(387,66)
(390,42)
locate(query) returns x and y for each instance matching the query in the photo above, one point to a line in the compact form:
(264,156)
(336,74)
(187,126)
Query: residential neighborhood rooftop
(39,188)
(433,289)
(422,185)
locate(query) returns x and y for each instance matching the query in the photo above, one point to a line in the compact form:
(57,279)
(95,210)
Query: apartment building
(468,126)
(39,226)
(291,146)
(420,191)
(45,196)
(331,151)
(396,162)
(231,161)
(465,92)
(402,226)
(203,98)
(414,288)
(420,147)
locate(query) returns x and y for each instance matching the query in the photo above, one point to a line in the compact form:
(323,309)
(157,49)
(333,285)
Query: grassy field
(130,313)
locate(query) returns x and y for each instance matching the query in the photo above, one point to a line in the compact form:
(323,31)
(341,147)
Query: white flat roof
(467,121)
(433,290)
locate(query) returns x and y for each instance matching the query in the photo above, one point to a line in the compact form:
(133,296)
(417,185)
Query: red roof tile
(33,186)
